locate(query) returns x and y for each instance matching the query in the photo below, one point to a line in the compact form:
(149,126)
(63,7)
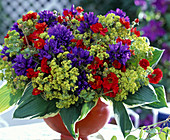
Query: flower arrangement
(63,64)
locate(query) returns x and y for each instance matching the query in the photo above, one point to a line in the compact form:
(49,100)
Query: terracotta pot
(92,123)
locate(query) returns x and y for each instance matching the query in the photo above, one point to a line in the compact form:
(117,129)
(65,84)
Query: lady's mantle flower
(120,13)
(22,64)
(119,52)
(153,30)
(144,63)
(98,28)
(155,76)
(63,36)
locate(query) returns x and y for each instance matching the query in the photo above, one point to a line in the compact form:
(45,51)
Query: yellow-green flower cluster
(14,43)
(60,84)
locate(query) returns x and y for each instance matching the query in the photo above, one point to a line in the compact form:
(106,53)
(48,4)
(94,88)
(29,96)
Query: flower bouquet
(63,63)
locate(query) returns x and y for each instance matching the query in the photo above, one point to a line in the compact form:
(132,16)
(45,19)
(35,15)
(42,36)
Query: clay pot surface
(93,122)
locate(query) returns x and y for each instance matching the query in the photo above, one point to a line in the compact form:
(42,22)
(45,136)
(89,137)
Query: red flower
(110,83)
(110,80)
(31,73)
(123,68)
(41,26)
(79,9)
(137,20)
(67,13)
(132,52)
(60,19)
(97,83)
(73,40)
(80,44)
(144,63)
(125,23)
(7,36)
(98,27)
(96,64)
(44,67)
(39,44)
(124,41)
(116,64)
(155,76)
(36,91)
(29,16)
(137,33)
(112,92)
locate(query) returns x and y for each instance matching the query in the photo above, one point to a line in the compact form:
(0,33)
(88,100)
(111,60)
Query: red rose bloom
(144,63)
(97,83)
(98,27)
(155,76)
(44,67)
(80,44)
(96,64)
(36,91)
(110,83)
(116,64)
(39,44)
(31,73)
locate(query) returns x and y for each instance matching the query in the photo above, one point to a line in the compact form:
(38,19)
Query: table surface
(40,131)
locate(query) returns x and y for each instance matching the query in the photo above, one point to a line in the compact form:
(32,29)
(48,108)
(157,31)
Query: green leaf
(122,117)
(144,95)
(7,98)
(157,54)
(164,133)
(160,91)
(34,105)
(131,137)
(114,138)
(70,117)
(86,108)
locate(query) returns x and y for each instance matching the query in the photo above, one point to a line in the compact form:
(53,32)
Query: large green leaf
(160,91)
(122,117)
(157,54)
(34,106)
(86,108)
(144,95)
(7,98)
(70,117)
